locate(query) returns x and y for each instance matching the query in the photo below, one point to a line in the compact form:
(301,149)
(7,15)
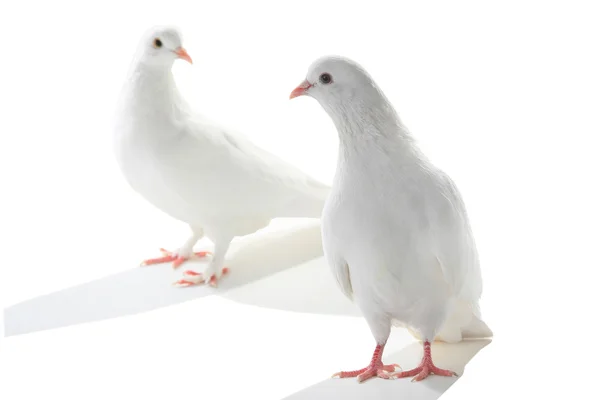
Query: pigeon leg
(211,274)
(375,368)
(425,368)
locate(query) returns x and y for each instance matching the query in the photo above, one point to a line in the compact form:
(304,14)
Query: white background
(503,96)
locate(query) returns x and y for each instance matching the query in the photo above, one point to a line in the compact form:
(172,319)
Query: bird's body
(203,174)
(395,229)
(396,235)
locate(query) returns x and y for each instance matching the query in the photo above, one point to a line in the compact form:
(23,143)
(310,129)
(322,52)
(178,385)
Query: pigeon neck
(155,88)
(371,127)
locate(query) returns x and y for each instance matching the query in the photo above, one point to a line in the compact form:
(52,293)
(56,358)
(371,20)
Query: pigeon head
(351,97)
(335,80)
(161,46)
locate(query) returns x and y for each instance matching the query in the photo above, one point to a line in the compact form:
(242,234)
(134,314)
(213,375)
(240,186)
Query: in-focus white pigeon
(196,171)
(395,229)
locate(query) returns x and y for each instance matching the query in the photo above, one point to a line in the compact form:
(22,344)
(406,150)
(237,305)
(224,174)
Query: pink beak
(300,90)
(181,53)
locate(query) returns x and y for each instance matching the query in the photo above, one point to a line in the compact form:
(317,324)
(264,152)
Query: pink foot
(375,368)
(196,278)
(169,256)
(426,367)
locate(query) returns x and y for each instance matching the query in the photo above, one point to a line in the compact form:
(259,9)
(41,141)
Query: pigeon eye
(157,43)
(325,78)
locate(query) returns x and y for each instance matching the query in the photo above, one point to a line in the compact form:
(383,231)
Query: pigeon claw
(380,370)
(169,256)
(183,283)
(375,368)
(425,369)
(196,278)
(178,261)
(212,281)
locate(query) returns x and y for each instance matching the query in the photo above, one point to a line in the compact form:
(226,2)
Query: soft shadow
(142,289)
(451,356)
(306,288)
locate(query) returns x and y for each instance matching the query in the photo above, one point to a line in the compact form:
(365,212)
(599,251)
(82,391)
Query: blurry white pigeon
(395,229)
(211,178)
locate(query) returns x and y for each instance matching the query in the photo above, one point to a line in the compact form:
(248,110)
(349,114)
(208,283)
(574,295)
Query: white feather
(395,229)
(195,170)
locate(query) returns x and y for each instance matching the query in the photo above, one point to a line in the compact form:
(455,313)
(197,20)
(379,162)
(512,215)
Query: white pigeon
(395,229)
(196,171)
